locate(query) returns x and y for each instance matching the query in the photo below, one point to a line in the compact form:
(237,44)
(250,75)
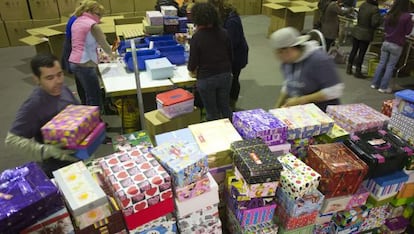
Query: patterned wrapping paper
(324,228)
(214,139)
(255,161)
(280,149)
(359,198)
(395,225)
(386,108)
(387,185)
(127,141)
(92,216)
(342,171)
(402,126)
(335,229)
(376,218)
(380,201)
(166,225)
(194,189)
(299,147)
(26,190)
(404,103)
(336,134)
(303,230)
(80,190)
(356,117)
(232,182)
(259,123)
(313,111)
(335,204)
(71,125)
(257,190)
(187,207)
(139,183)
(251,212)
(290,222)
(183,160)
(264,228)
(205,220)
(58,222)
(297,178)
(395,211)
(354,216)
(303,205)
(300,124)
(324,218)
(406,191)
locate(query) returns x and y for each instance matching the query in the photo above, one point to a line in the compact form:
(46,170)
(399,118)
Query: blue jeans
(215,95)
(88,80)
(390,53)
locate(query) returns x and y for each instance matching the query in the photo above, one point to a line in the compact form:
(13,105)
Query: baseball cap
(287,37)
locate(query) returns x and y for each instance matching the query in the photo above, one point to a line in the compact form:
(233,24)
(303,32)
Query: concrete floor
(260,84)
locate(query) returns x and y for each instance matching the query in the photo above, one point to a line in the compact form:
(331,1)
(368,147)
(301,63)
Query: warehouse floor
(260,84)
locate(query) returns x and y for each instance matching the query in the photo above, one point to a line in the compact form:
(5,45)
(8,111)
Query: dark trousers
(359,47)
(235,85)
(51,164)
(87,78)
(329,43)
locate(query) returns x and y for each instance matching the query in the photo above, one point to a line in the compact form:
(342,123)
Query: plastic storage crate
(142,55)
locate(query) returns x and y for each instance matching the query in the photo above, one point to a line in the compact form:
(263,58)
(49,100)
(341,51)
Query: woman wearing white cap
(310,74)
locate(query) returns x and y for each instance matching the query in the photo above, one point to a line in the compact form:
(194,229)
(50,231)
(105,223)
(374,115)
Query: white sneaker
(373,87)
(385,90)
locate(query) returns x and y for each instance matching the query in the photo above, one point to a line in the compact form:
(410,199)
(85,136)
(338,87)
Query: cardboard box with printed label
(44,9)
(14,10)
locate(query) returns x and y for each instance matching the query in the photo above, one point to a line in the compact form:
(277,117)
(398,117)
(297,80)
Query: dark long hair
(397,8)
(205,14)
(224,8)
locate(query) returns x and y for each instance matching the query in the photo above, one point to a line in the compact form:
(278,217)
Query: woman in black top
(210,61)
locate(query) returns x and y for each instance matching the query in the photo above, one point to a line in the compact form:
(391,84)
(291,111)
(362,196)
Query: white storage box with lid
(160,68)
(175,102)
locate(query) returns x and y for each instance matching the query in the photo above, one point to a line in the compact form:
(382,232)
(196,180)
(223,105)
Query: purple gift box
(259,123)
(26,195)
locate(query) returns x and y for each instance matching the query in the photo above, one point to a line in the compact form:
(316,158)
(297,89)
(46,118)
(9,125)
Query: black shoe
(107,141)
(349,70)
(359,75)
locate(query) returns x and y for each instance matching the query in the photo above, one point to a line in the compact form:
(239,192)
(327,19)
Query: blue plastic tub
(124,45)
(158,44)
(159,38)
(174,53)
(142,55)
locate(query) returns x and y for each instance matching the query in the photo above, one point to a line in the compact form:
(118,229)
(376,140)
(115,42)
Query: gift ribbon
(13,178)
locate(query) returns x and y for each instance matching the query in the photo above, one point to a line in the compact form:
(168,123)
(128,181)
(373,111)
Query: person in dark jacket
(397,25)
(232,23)
(210,61)
(369,19)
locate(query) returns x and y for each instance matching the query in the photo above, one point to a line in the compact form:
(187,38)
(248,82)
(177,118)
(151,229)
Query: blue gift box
(303,205)
(181,134)
(26,195)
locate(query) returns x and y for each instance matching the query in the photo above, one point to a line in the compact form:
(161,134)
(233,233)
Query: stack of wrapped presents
(287,170)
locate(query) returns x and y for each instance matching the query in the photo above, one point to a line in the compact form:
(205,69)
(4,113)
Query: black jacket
(234,28)
(369,19)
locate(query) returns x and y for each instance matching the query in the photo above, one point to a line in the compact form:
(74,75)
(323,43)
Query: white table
(117,81)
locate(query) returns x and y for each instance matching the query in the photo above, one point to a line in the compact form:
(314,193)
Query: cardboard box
(144,5)
(67,7)
(118,6)
(157,123)
(4,39)
(16,30)
(41,44)
(37,23)
(43,9)
(252,7)
(406,191)
(14,10)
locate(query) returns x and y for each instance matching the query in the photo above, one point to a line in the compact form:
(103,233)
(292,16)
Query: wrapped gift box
(402,126)
(395,211)
(175,102)
(404,103)
(354,216)
(168,11)
(140,185)
(259,123)
(232,182)
(299,123)
(290,222)
(165,225)
(303,230)
(342,171)
(253,211)
(309,203)
(91,143)
(387,185)
(299,147)
(386,108)
(280,149)
(357,117)
(58,222)
(159,68)
(359,198)
(335,204)
(26,190)
(126,142)
(234,227)
(186,207)
(406,191)
(336,134)
(205,220)
(376,218)
(297,178)
(255,162)
(154,18)
(80,190)
(194,189)
(71,125)
(380,201)
(324,228)
(180,134)
(395,225)
(214,139)
(183,160)
(335,229)
(267,189)
(92,216)
(313,111)
(324,218)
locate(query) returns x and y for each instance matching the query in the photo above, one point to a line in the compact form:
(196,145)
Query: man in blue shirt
(47,99)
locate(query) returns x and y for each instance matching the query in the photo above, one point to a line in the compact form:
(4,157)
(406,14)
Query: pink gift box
(71,125)
(194,189)
(290,222)
(359,198)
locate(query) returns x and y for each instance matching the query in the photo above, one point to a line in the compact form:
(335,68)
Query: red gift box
(291,222)
(386,108)
(341,170)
